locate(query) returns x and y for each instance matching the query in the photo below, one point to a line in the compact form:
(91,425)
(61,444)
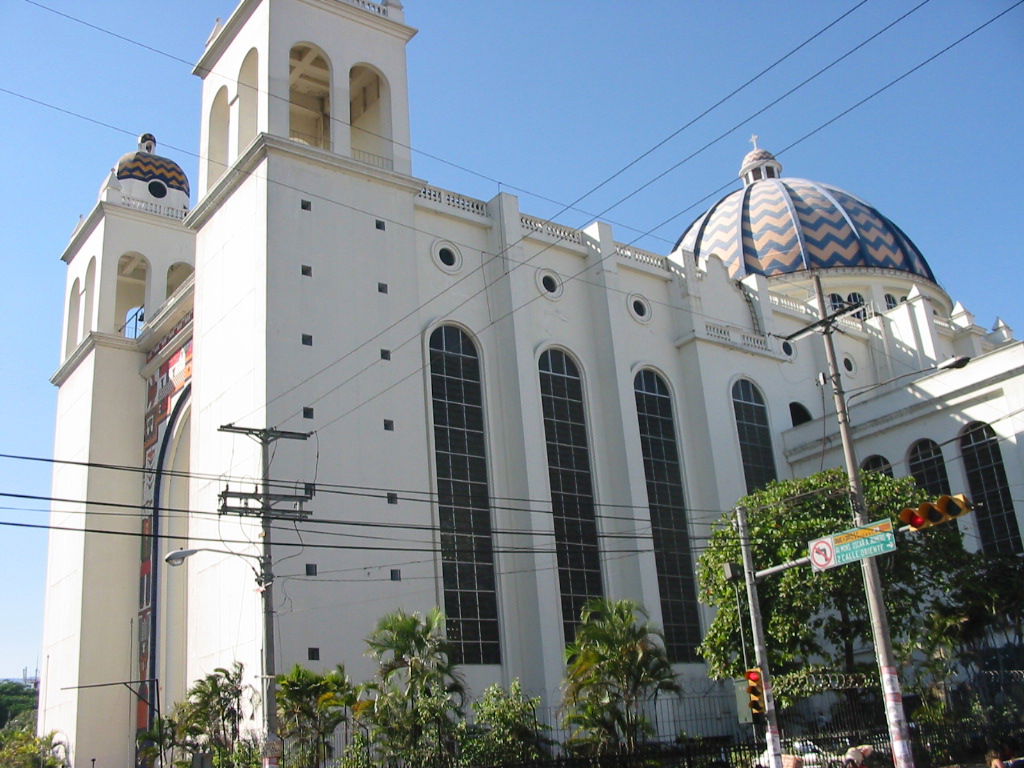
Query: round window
(848,364)
(549,283)
(787,349)
(446,256)
(157,188)
(639,308)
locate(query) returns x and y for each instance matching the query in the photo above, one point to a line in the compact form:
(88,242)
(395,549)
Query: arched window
(88,298)
(891,302)
(927,467)
(463,499)
(853,299)
(176,275)
(989,490)
(754,435)
(876,463)
(217,139)
(248,98)
(309,96)
(835,302)
(798,414)
(132,282)
(572,495)
(680,618)
(74,310)
(370,117)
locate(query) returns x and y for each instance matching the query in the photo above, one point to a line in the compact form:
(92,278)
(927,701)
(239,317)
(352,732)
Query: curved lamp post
(949,363)
(265,579)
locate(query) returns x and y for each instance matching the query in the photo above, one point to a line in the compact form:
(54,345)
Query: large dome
(776,226)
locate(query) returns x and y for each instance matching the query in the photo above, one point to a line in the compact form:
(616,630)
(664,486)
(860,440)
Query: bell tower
(329,74)
(129,269)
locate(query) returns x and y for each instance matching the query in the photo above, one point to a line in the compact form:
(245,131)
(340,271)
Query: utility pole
(272,748)
(899,734)
(760,646)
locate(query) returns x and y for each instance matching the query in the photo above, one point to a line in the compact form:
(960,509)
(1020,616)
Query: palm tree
(214,709)
(311,706)
(418,691)
(413,653)
(616,667)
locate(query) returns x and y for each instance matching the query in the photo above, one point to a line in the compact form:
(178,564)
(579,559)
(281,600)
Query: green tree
(21,748)
(213,713)
(977,624)
(311,706)
(617,666)
(819,620)
(505,729)
(412,705)
(15,697)
(171,741)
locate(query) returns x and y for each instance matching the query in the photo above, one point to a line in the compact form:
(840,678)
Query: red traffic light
(755,690)
(943,509)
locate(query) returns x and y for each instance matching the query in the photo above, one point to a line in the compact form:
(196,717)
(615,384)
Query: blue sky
(542,99)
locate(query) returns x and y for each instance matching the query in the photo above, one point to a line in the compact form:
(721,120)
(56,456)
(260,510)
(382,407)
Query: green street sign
(869,540)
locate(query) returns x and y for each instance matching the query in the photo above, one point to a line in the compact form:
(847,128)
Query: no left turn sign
(822,553)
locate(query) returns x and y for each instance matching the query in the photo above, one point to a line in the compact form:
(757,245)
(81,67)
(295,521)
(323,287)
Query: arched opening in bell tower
(74,308)
(309,96)
(176,275)
(370,117)
(248,99)
(129,305)
(217,142)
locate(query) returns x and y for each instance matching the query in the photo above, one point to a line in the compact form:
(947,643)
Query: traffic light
(755,690)
(942,510)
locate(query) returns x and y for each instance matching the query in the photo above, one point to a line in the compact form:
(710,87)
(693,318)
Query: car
(811,754)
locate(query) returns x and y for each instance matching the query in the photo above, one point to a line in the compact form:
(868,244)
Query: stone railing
(557,231)
(149,207)
(377,161)
(366,5)
(644,257)
(453,200)
(736,337)
(779,301)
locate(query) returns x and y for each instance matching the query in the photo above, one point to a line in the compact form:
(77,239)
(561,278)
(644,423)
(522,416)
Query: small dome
(777,226)
(147,167)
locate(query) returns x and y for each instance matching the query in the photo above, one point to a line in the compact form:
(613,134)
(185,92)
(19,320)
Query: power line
(577,274)
(523,237)
(564,206)
(381,492)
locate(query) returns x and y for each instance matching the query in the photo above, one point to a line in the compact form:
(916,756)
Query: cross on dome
(759,164)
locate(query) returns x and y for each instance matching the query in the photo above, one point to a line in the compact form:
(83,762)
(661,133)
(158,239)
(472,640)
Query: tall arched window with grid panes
(572,490)
(927,467)
(669,530)
(463,499)
(989,490)
(754,435)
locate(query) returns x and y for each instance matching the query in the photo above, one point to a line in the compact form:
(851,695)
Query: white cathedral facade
(503,416)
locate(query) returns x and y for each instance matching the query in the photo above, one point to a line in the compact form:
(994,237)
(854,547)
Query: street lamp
(949,363)
(265,579)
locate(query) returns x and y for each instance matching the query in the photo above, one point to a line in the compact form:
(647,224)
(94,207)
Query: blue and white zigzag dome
(779,226)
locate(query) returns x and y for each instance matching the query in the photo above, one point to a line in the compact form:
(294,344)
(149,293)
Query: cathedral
(405,397)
